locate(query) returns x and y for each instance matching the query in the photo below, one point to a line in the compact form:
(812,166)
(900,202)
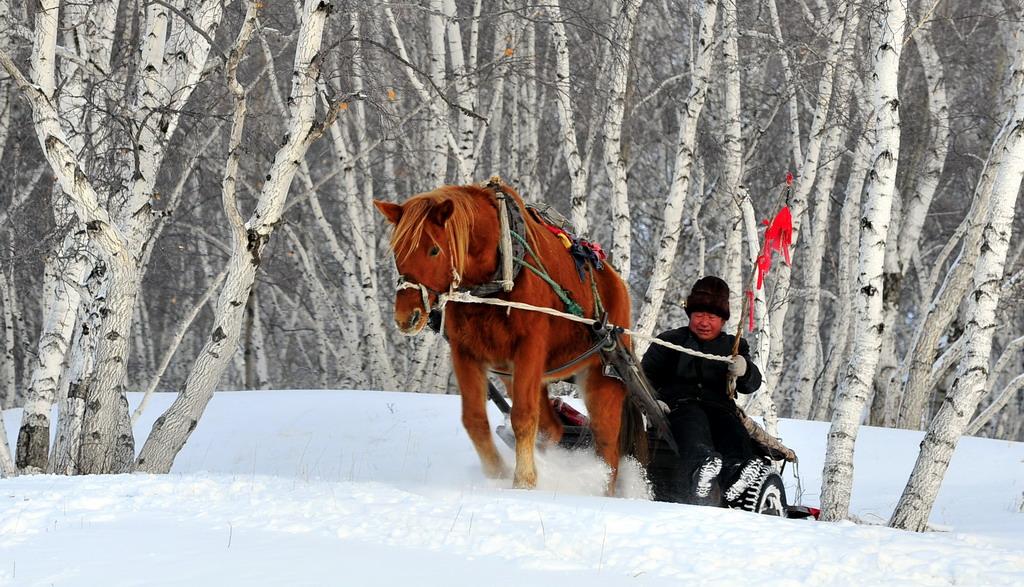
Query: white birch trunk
(760,346)
(578,174)
(465,96)
(108,444)
(732,175)
(527,119)
(175,342)
(838,343)
(437,145)
(614,160)
(6,462)
(439,134)
(837,476)
(792,104)
(503,49)
(809,355)
(918,361)
(8,391)
(668,241)
(172,429)
(359,269)
(63,279)
(940,441)
(919,200)
(909,229)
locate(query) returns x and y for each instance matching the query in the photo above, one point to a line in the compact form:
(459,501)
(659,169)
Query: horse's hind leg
(473,387)
(604,397)
(551,428)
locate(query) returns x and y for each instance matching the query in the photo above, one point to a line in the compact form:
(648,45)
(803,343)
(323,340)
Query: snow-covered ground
(372,488)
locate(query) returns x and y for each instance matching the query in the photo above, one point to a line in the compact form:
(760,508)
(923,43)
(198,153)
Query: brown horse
(448,239)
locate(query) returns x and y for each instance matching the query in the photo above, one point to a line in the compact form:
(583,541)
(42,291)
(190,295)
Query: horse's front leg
(526,389)
(472,378)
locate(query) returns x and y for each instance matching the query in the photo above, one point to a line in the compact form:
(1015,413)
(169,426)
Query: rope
(466,298)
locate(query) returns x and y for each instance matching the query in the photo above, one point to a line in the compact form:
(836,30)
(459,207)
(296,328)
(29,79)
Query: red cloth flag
(777,237)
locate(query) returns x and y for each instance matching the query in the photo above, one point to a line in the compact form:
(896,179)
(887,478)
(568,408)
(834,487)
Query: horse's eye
(434,251)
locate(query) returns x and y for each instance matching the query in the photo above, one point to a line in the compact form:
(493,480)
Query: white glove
(664,407)
(738,367)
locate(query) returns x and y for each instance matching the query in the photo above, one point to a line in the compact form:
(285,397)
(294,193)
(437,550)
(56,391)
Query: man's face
(705,325)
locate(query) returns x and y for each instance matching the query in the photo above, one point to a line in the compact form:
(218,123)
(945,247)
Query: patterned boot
(752,472)
(705,475)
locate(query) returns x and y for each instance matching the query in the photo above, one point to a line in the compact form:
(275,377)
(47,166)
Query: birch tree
(940,441)
(578,173)
(615,164)
(854,391)
(106,445)
(249,239)
(908,230)
(732,177)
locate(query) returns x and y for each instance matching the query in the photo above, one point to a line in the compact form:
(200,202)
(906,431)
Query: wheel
(768,497)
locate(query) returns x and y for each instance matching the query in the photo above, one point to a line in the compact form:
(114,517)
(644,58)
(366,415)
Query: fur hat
(709,294)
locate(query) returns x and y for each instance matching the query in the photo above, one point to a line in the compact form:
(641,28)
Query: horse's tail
(632,434)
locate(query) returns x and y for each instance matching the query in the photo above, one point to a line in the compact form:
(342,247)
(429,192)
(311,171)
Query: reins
(463,297)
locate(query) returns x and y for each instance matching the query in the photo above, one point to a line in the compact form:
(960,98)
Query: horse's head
(429,241)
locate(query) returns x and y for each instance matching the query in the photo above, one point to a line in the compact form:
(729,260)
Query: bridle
(425,291)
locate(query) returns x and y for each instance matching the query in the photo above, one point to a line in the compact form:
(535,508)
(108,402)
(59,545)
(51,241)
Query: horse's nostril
(415,318)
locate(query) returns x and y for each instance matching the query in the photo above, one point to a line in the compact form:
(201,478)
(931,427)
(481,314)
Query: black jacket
(681,377)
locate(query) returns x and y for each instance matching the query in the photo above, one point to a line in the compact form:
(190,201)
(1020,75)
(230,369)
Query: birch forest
(187,185)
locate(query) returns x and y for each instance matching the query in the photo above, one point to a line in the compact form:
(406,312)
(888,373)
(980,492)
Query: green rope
(570,306)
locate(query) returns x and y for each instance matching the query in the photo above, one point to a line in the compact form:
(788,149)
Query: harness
(510,249)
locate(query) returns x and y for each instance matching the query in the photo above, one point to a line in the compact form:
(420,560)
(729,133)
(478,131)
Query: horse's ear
(441,212)
(393,212)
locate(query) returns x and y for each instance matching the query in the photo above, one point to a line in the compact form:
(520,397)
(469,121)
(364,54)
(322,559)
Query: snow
(377,488)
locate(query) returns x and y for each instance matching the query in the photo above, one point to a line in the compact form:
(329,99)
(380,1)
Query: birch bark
(837,476)
(614,159)
(839,339)
(732,176)
(1013,348)
(465,94)
(106,445)
(578,175)
(8,391)
(437,157)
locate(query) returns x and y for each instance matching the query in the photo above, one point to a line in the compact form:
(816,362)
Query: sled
(662,463)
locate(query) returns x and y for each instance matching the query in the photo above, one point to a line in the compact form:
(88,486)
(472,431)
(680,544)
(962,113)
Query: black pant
(702,430)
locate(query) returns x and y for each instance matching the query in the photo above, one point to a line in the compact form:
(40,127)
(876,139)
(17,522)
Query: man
(713,443)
